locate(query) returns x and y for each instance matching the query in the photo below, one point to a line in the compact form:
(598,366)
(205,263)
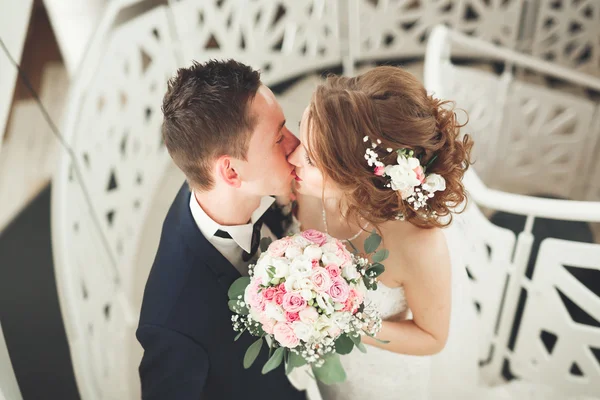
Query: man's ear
(227,173)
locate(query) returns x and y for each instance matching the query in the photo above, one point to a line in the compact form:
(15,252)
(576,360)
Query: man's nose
(291,143)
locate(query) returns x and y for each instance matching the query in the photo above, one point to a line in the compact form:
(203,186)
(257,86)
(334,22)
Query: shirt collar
(241,234)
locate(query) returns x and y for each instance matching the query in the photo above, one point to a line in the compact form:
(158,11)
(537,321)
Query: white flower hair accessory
(408,176)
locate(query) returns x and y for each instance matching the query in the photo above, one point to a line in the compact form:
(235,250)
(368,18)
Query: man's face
(267,170)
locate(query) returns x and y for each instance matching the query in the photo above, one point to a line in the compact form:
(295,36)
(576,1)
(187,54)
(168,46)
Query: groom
(227,133)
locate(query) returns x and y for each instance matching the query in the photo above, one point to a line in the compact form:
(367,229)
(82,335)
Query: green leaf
(264,243)
(236,308)
(372,242)
(238,335)
(344,345)
(296,360)
(274,361)
(331,371)
(358,343)
(252,353)
(380,255)
(379,340)
(377,269)
(238,288)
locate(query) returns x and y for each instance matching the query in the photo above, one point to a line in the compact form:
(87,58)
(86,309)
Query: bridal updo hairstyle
(389,104)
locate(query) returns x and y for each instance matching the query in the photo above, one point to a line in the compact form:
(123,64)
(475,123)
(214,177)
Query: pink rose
(293,302)
(315,236)
(343,254)
(379,171)
(309,315)
(315,263)
(253,297)
(420,174)
(354,300)
(339,290)
(279,298)
(333,270)
(292,316)
(267,324)
(285,335)
(278,247)
(269,293)
(281,288)
(320,279)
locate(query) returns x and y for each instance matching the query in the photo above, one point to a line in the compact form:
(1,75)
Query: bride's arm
(427,284)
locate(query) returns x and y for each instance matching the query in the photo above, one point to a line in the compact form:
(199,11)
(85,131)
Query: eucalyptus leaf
(274,361)
(265,243)
(236,308)
(358,343)
(331,371)
(238,288)
(375,270)
(238,335)
(252,353)
(380,255)
(296,359)
(372,242)
(379,340)
(344,345)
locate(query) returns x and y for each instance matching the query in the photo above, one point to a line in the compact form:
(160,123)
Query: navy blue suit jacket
(185,323)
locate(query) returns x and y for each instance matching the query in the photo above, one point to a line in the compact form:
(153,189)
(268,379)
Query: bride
(378,153)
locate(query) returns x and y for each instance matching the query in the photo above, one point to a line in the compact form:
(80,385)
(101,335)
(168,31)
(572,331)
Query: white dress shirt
(241,235)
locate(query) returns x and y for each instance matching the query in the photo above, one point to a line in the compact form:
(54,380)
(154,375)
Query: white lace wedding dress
(381,374)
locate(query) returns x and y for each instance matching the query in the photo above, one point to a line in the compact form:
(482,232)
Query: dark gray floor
(29,310)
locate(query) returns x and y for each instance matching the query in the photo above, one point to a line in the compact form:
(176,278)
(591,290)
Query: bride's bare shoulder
(411,242)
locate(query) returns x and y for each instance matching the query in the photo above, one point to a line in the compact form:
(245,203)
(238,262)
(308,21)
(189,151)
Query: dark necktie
(254,243)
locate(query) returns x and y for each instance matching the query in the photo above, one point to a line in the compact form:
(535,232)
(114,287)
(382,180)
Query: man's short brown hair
(206,115)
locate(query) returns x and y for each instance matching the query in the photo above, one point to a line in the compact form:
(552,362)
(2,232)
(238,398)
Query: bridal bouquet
(305,298)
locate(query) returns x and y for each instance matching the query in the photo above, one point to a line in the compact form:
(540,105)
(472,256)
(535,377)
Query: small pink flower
(279,298)
(285,335)
(334,271)
(320,279)
(253,297)
(315,236)
(292,316)
(269,293)
(339,290)
(315,263)
(379,171)
(278,247)
(293,302)
(281,288)
(420,174)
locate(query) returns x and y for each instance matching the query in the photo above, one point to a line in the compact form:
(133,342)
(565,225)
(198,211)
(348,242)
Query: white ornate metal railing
(558,339)
(113,126)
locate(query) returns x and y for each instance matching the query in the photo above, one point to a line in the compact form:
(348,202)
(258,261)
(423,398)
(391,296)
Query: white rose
(313,252)
(329,247)
(309,315)
(260,271)
(306,294)
(255,314)
(302,330)
(301,241)
(282,267)
(350,272)
(322,324)
(330,258)
(403,177)
(274,311)
(293,251)
(290,283)
(434,183)
(301,266)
